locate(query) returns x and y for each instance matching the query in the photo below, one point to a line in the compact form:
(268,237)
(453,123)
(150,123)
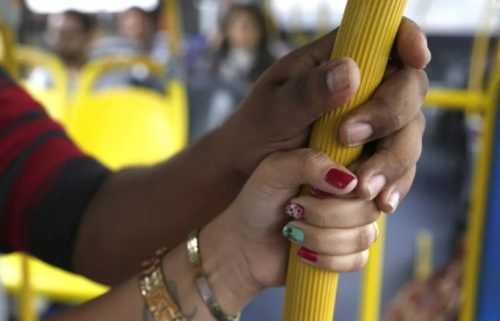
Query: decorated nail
(338,178)
(293,233)
(295,211)
(308,255)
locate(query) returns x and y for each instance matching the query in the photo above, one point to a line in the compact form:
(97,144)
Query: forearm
(138,210)
(222,262)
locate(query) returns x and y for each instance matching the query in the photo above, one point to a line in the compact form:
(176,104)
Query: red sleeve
(34,150)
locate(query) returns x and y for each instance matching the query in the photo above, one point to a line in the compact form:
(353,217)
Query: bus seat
(48,281)
(123,127)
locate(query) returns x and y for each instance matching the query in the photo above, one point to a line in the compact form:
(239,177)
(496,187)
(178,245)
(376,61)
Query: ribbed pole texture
(366,34)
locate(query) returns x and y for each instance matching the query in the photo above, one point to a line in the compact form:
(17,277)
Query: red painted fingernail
(308,255)
(338,178)
(295,210)
(319,193)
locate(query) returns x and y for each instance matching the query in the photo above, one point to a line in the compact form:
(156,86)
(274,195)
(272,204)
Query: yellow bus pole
(26,298)
(477,212)
(7,45)
(172,18)
(366,34)
(480,49)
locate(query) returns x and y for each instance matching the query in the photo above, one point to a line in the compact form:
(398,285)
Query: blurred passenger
(242,56)
(137,34)
(70,36)
(243,53)
(140,28)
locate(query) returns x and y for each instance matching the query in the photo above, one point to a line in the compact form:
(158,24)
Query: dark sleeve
(46,182)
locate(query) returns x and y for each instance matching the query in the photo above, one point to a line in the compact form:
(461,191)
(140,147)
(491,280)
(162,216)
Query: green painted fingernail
(293,233)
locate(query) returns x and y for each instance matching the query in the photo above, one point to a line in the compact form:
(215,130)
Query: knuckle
(398,162)
(392,118)
(270,162)
(374,212)
(395,120)
(320,215)
(312,160)
(360,260)
(382,102)
(424,82)
(421,121)
(365,238)
(314,242)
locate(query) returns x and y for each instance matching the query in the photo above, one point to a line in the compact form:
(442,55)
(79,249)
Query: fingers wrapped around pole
(366,35)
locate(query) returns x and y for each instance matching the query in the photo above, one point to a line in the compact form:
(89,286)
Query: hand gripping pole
(366,34)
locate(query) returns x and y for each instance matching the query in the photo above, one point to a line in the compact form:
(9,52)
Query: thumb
(321,89)
(281,174)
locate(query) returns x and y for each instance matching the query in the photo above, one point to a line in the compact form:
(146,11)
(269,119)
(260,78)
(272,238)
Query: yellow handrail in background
(477,212)
(7,55)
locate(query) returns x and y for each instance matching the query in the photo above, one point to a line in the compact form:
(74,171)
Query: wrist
(226,267)
(236,151)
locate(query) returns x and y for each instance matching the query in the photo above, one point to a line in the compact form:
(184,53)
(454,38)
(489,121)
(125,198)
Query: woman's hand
(334,233)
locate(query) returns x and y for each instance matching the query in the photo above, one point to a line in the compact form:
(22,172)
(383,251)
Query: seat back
(124,126)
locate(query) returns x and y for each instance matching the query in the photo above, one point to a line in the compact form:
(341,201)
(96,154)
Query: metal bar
(466,100)
(477,214)
(488,308)
(26,297)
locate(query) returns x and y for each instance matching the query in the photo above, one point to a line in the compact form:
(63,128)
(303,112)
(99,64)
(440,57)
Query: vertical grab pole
(366,34)
(480,288)
(26,298)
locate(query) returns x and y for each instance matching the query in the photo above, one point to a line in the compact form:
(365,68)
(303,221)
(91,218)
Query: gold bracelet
(154,291)
(204,289)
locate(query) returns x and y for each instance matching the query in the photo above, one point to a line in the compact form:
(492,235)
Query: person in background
(242,55)
(140,28)
(69,35)
(137,34)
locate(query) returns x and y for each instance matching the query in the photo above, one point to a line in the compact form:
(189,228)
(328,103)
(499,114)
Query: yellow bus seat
(53,97)
(48,281)
(174,102)
(124,126)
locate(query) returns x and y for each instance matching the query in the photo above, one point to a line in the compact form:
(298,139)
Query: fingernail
(375,185)
(358,133)
(394,201)
(308,255)
(338,79)
(338,178)
(295,211)
(319,193)
(293,233)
